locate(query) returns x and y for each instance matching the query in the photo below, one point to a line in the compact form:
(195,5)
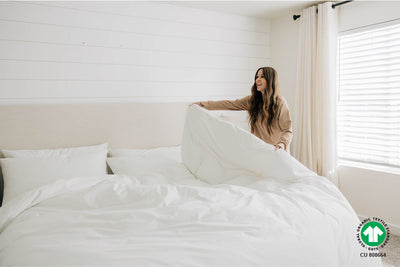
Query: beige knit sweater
(281,125)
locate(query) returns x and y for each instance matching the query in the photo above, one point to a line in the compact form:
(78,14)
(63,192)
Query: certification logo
(373,234)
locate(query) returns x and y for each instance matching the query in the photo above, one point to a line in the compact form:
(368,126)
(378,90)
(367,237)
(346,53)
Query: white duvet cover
(250,216)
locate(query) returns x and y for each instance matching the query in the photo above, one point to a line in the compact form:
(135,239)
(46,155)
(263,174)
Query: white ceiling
(257,9)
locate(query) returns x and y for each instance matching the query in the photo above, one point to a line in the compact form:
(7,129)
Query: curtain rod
(333,6)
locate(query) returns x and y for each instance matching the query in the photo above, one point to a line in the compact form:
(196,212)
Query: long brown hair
(265,105)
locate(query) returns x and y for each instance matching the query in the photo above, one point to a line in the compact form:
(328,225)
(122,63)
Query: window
(368,108)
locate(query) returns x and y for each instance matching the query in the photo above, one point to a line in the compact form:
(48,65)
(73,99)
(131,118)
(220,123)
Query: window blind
(368,107)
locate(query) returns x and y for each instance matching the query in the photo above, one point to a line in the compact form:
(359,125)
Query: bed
(187,188)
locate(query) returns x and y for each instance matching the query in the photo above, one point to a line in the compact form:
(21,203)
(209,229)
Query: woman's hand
(279,146)
(196,103)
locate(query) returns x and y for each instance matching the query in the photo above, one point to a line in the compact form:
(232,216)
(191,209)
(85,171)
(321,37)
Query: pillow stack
(24,170)
(136,162)
(161,165)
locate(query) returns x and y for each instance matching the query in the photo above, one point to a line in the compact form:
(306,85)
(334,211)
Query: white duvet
(262,209)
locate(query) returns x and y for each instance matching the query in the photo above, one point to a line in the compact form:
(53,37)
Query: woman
(268,112)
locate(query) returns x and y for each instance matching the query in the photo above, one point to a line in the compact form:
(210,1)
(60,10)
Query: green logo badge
(373,233)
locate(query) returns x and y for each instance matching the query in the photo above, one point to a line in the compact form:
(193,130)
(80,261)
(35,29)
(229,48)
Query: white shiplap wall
(56,52)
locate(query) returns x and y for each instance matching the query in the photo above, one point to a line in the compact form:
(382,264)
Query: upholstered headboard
(122,125)
(127,125)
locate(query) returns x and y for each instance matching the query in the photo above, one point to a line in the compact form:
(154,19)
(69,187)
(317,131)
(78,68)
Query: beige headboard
(122,125)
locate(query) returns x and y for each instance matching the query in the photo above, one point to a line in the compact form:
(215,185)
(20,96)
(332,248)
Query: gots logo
(373,234)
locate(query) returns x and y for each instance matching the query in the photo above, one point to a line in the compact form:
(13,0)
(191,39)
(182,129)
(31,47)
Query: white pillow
(172,153)
(58,152)
(154,171)
(24,174)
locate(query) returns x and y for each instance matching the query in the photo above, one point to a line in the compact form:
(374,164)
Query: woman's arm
(285,125)
(238,104)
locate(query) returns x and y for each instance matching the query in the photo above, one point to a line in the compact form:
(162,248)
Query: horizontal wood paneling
(118,40)
(71,89)
(72,71)
(104,55)
(164,12)
(76,18)
(37,51)
(126,50)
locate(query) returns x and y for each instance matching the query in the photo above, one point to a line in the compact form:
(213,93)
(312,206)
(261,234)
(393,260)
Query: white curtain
(314,141)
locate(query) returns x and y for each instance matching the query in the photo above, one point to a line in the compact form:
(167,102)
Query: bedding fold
(26,200)
(215,150)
